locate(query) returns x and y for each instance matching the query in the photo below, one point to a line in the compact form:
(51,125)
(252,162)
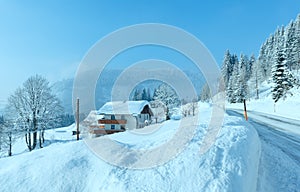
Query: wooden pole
(77,118)
(245,110)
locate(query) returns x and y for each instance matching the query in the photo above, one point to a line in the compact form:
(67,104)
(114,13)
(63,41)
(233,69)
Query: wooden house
(120,116)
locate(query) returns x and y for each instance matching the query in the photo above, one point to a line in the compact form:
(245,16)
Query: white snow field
(64,164)
(290,107)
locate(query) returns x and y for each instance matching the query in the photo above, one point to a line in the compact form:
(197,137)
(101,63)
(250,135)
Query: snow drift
(231,164)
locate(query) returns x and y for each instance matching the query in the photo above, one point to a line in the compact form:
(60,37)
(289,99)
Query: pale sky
(50,37)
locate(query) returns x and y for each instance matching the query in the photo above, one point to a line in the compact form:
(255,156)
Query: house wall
(131,122)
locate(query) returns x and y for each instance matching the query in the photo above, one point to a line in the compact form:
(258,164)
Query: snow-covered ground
(64,164)
(290,107)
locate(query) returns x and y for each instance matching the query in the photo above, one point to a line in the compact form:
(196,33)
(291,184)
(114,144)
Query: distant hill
(2,106)
(64,88)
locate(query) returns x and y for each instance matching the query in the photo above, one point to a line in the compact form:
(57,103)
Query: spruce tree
(144,95)
(232,90)
(227,67)
(280,75)
(292,43)
(241,88)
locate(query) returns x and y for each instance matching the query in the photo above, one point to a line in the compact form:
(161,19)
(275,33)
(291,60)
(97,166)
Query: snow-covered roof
(123,107)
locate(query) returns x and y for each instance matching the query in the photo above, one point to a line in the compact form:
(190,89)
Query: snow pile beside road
(242,156)
(231,164)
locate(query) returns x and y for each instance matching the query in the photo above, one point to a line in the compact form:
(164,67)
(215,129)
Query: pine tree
(262,60)
(291,46)
(227,67)
(205,94)
(230,91)
(241,88)
(256,78)
(280,74)
(249,66)
(297,37)
(266,56)
(149,98)
(137,96)
(144,95)
(232,94)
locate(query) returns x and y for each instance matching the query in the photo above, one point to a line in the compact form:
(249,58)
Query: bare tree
(7,135)
(159,110)
(194,106)
(35,109)
(2,136)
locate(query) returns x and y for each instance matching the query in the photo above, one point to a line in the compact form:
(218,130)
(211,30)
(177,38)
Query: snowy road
(280,158)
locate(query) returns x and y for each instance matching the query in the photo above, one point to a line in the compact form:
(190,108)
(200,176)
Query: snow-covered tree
(159,110)
(194,106)
(237,89)
(8,134)
(137,95)
(149,98)
(205,94)
(227,67)
(230,91)
(252,72)
(166,95)
(243,77)
(292,44)
(297,38)
(66,120)
(262,60)
(35,109)
(2,132)
(256,78)
(146,95)
(231,86)
(141,95)
(249,66)
(280,74)
(266,56)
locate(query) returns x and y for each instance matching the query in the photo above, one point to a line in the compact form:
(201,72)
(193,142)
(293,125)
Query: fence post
(77,118)
(245,110)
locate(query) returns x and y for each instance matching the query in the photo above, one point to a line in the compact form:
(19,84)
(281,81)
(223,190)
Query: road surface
(280,154)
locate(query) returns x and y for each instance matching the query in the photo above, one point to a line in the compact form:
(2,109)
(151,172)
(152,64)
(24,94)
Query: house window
(113,126)
(113,117)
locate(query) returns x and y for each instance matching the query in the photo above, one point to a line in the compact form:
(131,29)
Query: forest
(278,64)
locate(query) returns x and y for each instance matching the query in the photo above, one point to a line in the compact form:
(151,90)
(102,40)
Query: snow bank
(241,150)
(231,164)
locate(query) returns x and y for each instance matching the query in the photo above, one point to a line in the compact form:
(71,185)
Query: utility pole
(77,118)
